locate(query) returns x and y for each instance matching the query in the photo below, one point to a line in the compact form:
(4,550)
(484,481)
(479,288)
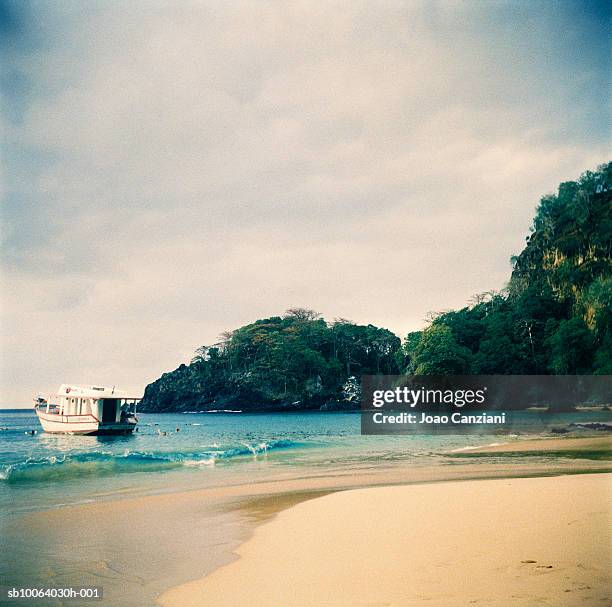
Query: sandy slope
(534,541)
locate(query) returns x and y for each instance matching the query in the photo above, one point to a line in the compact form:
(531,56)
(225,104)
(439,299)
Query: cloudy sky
(174,169)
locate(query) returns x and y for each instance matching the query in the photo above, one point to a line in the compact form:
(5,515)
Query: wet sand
(567,444)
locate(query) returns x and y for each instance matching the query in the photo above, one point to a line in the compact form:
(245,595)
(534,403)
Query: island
(554,317)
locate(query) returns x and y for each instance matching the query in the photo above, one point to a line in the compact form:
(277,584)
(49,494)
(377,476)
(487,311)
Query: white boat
(87,410)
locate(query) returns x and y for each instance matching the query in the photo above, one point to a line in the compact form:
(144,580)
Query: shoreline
(547,444)
(526,540)
(265,508)
(199,530)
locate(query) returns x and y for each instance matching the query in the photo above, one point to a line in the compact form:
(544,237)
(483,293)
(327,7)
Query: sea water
(177,451)
(48,482)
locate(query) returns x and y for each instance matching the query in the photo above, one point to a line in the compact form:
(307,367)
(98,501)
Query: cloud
(177,169)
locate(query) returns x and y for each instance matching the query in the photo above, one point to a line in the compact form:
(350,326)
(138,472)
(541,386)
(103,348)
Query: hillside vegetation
(555,316)
(292,362)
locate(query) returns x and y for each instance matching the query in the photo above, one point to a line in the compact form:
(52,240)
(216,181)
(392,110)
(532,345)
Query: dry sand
(525,542)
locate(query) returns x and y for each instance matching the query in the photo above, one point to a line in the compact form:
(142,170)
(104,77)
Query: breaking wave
(64,467)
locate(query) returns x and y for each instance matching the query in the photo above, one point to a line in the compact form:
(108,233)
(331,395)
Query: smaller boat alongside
(90,410)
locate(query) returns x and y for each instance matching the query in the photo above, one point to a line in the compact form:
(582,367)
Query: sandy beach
(193,531)
(165,524)
(591,444)
(524,541)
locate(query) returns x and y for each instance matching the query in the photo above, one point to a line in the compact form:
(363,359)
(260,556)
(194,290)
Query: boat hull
(81,424)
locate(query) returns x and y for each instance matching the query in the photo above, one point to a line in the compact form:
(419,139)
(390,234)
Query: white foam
(199,463)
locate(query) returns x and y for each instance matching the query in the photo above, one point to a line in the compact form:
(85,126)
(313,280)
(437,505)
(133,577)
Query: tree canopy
(555,316)
(297,361)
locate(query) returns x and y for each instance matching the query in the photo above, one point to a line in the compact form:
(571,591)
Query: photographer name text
(424,418)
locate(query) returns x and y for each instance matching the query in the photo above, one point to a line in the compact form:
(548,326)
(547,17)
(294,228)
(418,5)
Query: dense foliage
(554,317)
(298,361)
(556,314)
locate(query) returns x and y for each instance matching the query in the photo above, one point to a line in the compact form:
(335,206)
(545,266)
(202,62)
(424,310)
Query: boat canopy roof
(74,390)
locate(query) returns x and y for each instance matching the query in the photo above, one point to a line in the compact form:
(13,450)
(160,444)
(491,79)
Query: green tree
(439,353)
(571,347)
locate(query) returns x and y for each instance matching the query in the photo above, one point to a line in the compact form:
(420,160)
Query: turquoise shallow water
(42,471)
